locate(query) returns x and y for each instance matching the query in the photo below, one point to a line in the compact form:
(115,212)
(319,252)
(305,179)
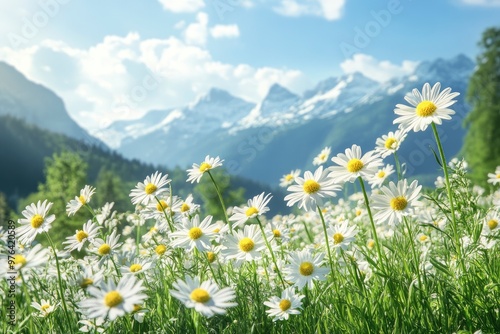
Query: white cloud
(484,3)
(221,31)
(122,77)
(182,6)
(377,70)
(328,9)
(196,33)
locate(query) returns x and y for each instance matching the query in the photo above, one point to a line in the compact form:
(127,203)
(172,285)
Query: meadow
(392,257)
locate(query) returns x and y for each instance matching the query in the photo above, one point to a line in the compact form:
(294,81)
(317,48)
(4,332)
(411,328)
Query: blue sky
(112,60)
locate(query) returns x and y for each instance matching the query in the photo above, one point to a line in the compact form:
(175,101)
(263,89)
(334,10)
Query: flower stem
(221,201)
(374,230)
(326,238)
(272,253)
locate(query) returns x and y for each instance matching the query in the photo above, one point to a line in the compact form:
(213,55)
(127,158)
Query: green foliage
(482,142)
(112,189)
(5,210)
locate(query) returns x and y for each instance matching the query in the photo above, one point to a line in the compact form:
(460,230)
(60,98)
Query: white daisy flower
(75,204)
(97,325)
(153,185)
(342,235)
(353,164)
(193,234)
(165,205)
(282,307)
(206,298)
(105,248)
(246,245)
(44,308)
(195,173)
(490,223)
(35,221)
(310,190)
(380,176)
(322,157)
(87,233)
(111,300)
(87,276)
(395,202)
(430,106)
(189,207)
(389,143)
(137,266)
(256,207)
(32,258)
(289,178)
(494,178)
(304,268)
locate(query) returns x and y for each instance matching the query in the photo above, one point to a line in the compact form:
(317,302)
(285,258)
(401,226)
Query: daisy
(87,233)
(137,266)
(44,308)
(75,204)
(310,190)
(146,192)
(188,207)
(281,308)
(490,223)
(105,248)
(352,165)
(342,235)
(165,204)
(195,173)
(304,268)
(193,234)
(396,201)
(246,245)
(380,176)
(112,300)
(35,257)
(494,178)
(389,143)
(430,106)
(35,221)
(206,298)
(322,157)
(256,207)
(87,276)
(288,179)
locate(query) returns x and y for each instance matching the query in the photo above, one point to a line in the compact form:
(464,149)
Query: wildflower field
(393,257)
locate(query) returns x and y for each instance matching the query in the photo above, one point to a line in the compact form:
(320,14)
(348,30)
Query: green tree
(5,211)
(111,188)
(482,142)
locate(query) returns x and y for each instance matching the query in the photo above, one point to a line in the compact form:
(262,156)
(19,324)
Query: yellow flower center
(36,221)
(389,142)
(354,165)
(306,268)
(492,224)
(82,199)
(135,268)
(200,295)
(251,211)
(399,203)
(137,308)
(205,166)
(45,307)
(161,206)
(185,207)
(150,188)
(289,177)
(322,157)
(276,233)
(370,244)
(285,304)
(104,249)
(246,244)
(217,230)
(338,238)
(86,282)
(498,176)
(195,233)
(381,174)
(211,257)
(113,298)
(153,230)
(423,238)
(426,109)
(19,259)
(81,235)
(160,249)
(358,213)
(311,186)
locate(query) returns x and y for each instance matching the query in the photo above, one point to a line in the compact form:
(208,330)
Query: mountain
(37,105)
(285,131)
